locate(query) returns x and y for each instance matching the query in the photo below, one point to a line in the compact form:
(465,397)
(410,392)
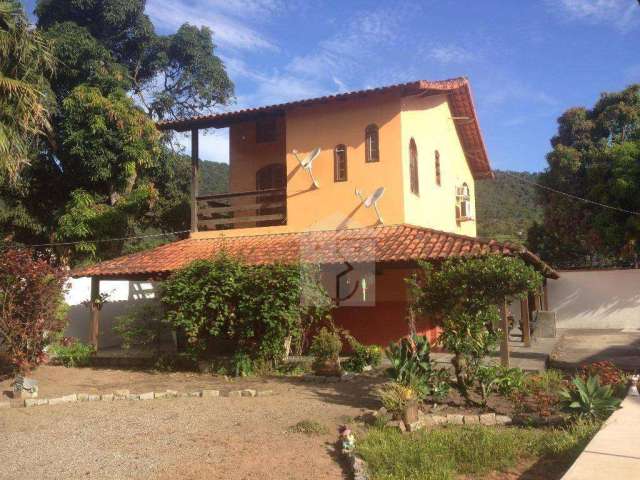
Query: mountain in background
(214,177)
(506,207)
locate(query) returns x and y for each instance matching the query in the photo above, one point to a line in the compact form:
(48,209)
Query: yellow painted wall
(334,205)
(428,120)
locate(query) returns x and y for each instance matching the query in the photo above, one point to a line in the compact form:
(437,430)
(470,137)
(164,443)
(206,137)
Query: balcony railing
(259,208)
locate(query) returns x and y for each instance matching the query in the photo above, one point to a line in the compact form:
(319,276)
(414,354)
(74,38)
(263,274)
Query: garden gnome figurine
(634,385)
(347,439)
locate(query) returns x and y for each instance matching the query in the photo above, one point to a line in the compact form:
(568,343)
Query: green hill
(507,207)
(214,177)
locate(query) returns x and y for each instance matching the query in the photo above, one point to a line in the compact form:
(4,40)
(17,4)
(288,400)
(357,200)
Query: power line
(574,197)
(103,240)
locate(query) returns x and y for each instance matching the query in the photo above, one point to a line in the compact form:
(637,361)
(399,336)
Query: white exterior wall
(122,296)
(596,299)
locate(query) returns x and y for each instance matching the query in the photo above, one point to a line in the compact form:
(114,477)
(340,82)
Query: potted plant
(325,348)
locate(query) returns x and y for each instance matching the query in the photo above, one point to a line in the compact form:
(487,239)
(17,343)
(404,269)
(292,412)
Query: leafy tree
(596,155)
(464,293)
(25,64)
(31,306)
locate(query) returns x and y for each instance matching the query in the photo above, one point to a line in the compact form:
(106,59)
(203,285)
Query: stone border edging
(431,420)
(124,394)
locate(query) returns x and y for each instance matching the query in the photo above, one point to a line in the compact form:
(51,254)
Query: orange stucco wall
(334,204)
(386,320)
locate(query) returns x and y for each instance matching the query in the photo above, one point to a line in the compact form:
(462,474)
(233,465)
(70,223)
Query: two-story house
(364,183)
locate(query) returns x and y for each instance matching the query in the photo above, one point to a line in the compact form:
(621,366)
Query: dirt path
(183,438)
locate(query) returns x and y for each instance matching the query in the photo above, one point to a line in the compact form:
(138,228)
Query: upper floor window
(266,130)
(413,167)
(437,163)
(371,140)
(463,203)
(340,163)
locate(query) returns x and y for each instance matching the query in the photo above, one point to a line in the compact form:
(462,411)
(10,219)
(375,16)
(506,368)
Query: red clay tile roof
(384,244)
(460,101)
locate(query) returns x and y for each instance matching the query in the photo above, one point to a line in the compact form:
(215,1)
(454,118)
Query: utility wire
(574,197)
(103,240)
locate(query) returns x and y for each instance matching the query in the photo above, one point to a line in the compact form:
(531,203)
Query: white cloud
(623,14)
(448,54)
(227,31)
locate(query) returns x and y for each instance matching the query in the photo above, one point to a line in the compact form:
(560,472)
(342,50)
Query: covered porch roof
(388,244)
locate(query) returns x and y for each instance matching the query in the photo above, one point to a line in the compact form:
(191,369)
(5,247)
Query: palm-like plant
(590,399)
(25,63)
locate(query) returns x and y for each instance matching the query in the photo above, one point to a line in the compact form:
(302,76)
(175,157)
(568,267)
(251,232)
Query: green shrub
(499,379)
(308,427)
(326,345)
(242,365)
(251,308)
(71,352)
(589,399)
(411,366)
(362,356)
(141,326)
(395,397)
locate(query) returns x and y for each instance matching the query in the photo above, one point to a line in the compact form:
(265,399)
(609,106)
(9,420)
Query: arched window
(340,163)
(413,167)
(437,155)
(371,142)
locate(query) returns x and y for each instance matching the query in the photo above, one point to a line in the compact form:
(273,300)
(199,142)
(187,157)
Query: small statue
(347,439)
(24,387)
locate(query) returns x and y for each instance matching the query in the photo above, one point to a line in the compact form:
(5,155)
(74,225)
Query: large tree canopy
(596,155)
(103,170)
(25,64)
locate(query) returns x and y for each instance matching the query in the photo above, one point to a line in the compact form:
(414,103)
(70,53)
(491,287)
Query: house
(364,183)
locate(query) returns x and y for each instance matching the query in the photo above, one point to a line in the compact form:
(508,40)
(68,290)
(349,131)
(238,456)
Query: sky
(527,60)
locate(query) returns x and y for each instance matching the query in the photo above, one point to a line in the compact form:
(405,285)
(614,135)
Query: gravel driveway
(182,438)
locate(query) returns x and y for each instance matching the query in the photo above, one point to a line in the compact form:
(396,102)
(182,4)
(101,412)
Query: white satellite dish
(307,164)
(372,200)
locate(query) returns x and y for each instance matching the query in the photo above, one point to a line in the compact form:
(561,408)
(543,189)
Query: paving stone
(210,393)
(439,419)
(195,394)
(184,394)
(264,393)
(107,397)
(397,424)
(133,396)
(83,397)
(488,419)
(57,401)
(70,398)
(30,402)
(471,419)
(147,396)
(93,398)
(415,426)
(427,420)
(248,392)
(122,394)
(235,393)
(503,420)
(160,395)
(172,393)
(455,419)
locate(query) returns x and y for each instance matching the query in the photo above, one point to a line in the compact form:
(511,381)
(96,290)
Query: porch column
(95,311)
(524,322)
(545,296)
(194,179)
(504,342)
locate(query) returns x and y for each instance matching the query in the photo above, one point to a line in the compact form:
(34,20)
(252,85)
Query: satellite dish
(307,164)
(372,200)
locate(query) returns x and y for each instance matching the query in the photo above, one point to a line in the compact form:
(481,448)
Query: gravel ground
(182,438)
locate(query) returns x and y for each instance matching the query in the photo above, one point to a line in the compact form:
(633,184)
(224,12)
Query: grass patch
(445,453)
(308,427)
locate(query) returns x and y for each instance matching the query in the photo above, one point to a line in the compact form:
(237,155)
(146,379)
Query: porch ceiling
(390,244)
